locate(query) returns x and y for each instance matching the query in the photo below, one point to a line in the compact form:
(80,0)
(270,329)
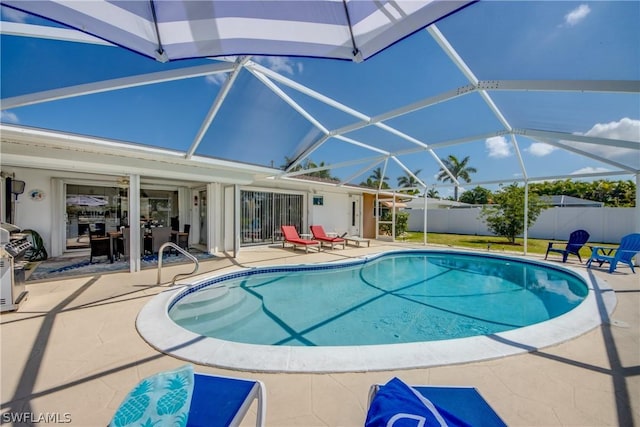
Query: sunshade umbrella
(85,201)
(178,29)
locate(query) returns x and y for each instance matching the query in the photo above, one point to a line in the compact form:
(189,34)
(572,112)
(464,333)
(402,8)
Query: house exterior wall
(333,214)
(31,213)
(606,225)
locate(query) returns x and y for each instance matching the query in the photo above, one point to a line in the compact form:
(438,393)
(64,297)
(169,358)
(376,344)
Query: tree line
(620,193)
(503,210)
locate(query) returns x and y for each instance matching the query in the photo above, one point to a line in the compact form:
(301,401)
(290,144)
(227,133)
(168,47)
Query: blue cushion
(163,399)
(397,404)
(217,401)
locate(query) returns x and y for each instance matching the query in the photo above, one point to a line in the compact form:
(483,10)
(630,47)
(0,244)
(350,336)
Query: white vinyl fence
(605,225)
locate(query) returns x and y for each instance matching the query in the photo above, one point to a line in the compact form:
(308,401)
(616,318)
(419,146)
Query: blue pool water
(397,297)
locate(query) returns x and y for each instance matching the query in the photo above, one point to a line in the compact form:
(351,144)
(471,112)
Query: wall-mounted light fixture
(17,187)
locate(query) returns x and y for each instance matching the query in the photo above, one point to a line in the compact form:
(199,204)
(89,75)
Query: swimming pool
(392,310)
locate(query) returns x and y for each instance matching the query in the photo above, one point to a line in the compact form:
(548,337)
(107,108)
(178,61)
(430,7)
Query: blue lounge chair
(577,239)
(184,398)
(428,405)
(629,247)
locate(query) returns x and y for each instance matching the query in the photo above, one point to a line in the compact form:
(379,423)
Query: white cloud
(280,64)
(217,79)
(540,149)
(276,63)
(589,169)
(498,147)
(625,129)
(8,117)
(577,15)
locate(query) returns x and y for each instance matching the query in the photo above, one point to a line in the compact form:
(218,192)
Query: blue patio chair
(187,399)
(397,402)
(577,239)
(629,247)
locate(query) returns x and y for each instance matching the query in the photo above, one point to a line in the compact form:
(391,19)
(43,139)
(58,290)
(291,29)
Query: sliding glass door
(262,213)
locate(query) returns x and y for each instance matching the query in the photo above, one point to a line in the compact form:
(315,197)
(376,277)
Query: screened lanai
(529,91)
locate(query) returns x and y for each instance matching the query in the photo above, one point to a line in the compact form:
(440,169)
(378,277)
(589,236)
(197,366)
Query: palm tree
(309,164)
(368,183)
(433,193)
(409,181)
(458,169)
(287,161)
(377,177)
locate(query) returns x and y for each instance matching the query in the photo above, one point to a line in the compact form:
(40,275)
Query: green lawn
(493,243)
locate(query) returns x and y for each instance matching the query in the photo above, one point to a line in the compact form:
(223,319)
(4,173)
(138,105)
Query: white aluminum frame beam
(470,75)
(587,154)
(608,86)
(332,103)
(217,103)
(540,178)
(360,172)
(114,84)
(52,33)
(375,160)
(286,98)
(408,171)
(620,143)
(384,173)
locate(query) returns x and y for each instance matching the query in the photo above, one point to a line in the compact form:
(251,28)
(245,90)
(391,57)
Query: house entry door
(355,221)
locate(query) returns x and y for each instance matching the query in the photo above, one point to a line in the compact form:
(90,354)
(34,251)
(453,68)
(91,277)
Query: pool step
(203,297)
(221,310)
(206,302)
(250,306)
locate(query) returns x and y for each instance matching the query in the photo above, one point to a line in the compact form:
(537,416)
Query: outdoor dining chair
(100,245)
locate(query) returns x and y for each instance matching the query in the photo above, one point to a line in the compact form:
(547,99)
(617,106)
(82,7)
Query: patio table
(357,240)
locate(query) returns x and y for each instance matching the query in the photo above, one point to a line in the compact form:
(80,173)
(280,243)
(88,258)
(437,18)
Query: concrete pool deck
(72,348)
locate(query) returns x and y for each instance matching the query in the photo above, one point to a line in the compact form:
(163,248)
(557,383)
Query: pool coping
(159,331)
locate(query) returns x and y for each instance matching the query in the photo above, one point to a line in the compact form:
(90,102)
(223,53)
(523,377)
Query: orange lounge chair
(319,234)
(291,236)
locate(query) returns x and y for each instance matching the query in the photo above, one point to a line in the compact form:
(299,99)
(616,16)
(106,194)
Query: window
(318,200)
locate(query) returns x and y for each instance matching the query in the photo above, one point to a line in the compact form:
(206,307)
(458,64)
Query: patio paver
(73,349)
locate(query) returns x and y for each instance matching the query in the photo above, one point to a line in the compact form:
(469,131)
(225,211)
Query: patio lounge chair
(629,247)
(319,234)
(428,405)
(184,398)
(577,239)
(291,236)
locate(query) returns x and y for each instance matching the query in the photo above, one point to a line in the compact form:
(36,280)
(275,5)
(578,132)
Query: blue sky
(497,41)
